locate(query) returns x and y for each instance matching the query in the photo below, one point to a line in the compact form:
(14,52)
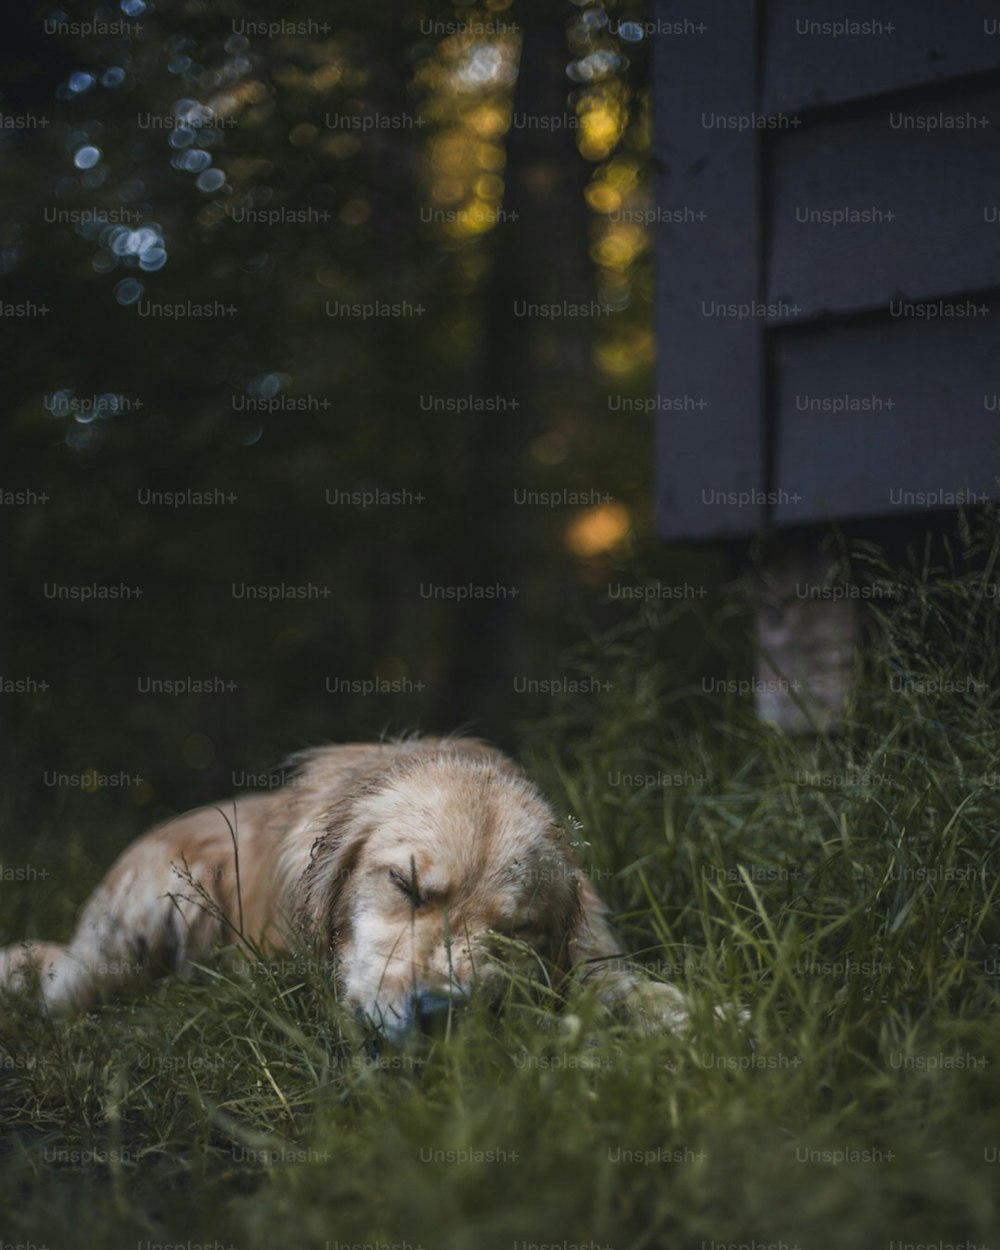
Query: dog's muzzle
(432,1011)
(427,1014)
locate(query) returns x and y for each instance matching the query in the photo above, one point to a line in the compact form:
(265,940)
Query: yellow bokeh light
(601,124)
(474,218)
(487,121)
(326,77)
(241,94)
(450,152)
(302,134)
(619,246)
(602,198)
(644,346)
(618,357)
(447,190)
(598,529)
(614,358)
(490,157)
(622,173)
(489,187)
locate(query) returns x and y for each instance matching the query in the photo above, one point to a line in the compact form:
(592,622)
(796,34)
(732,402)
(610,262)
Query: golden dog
(401,860)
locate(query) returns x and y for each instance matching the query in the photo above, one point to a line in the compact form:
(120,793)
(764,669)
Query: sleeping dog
(403,862)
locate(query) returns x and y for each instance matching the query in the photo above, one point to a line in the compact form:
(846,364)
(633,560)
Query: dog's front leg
(600,964)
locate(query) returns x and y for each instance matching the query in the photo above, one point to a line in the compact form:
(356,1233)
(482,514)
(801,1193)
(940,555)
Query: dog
(410,866)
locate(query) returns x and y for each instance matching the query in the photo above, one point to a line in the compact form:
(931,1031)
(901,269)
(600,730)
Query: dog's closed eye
(406,884)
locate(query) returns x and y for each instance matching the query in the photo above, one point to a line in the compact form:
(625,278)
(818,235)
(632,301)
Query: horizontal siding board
(931,41)
(941,434)
(941,187)
(714,450)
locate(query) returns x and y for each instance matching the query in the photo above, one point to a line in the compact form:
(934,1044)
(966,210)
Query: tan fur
(323,858)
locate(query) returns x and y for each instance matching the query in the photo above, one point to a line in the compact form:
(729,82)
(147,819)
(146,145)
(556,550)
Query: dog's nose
(432,1010)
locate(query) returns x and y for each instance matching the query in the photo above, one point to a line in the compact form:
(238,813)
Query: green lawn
(844,889)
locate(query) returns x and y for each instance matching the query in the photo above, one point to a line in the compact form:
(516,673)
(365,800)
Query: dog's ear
(567,891)
(323,913)
(589,941)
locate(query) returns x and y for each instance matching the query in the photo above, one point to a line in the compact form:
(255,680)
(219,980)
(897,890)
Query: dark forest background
(459,161)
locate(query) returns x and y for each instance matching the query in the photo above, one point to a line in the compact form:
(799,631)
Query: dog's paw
(658,1007)
(654,1007)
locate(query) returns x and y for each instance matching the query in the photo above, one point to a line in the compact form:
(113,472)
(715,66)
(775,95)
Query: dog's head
(423,870)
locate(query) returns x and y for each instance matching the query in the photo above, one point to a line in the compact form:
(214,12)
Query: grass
(843,887)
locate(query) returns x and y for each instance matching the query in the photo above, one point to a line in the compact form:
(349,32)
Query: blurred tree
(276,170)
